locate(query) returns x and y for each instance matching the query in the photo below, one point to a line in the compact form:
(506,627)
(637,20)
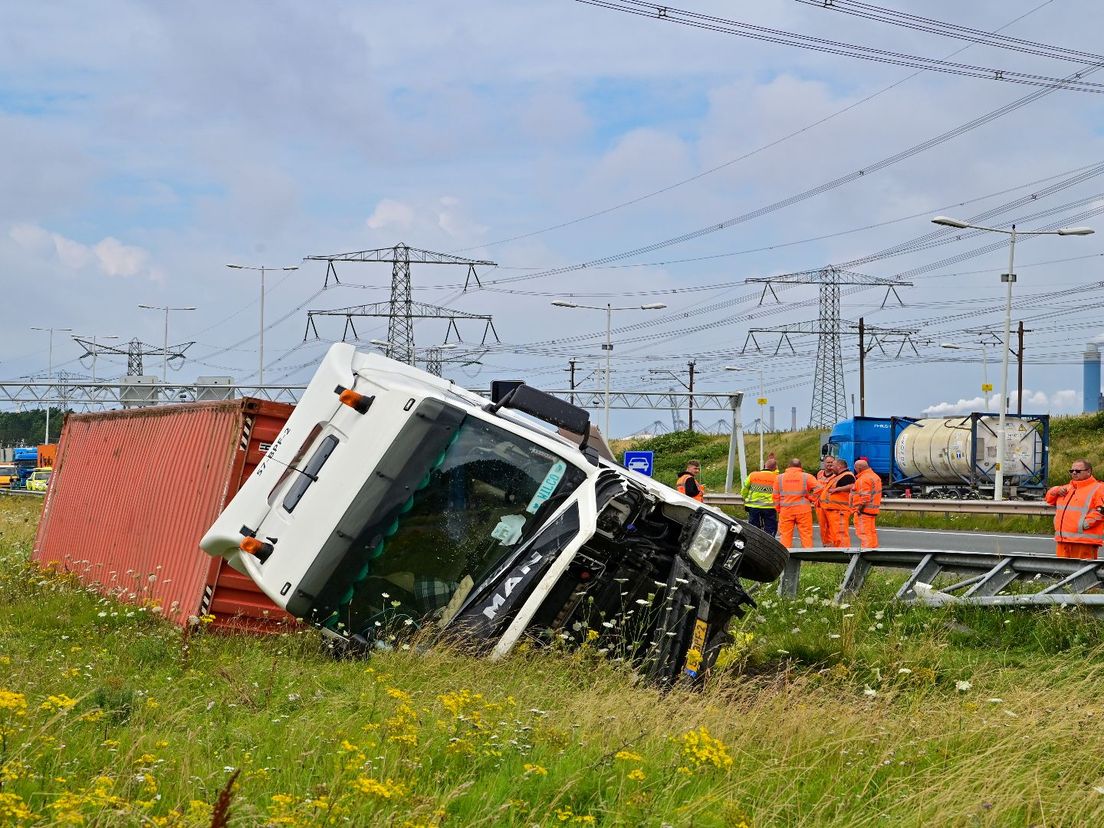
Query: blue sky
(148,144)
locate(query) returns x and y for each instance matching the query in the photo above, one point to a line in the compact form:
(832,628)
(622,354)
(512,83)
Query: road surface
(959,541)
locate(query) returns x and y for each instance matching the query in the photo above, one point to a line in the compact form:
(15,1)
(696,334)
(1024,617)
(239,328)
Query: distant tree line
(27,428)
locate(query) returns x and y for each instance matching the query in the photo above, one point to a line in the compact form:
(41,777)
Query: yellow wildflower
(592,635)
(535,770)
(628,756)
(401,695)
(13,809)
(15,702)
(702,749)
(637,775)
(12,770)
(58,702)
(374,787)
(91,715)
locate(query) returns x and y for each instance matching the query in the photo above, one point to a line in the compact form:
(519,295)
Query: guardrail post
(791,576)
(925,571)
(854,578)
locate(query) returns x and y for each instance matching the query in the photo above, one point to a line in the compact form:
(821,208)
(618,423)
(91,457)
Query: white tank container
(939,450)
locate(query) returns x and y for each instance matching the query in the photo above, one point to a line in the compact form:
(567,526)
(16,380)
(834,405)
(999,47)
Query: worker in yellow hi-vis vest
(758,493)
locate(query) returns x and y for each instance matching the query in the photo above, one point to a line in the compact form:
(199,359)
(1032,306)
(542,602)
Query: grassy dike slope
(1070,438)
(861,715)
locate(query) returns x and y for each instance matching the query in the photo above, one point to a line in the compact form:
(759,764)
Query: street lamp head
(236,266)
(444,346)
(1076,231)
(950,346)
(293,267)
(733,368)
(947,221)
(383,343)
(653,306)
(559,303)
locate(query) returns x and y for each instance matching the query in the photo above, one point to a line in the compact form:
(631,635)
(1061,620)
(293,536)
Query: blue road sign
(640,461)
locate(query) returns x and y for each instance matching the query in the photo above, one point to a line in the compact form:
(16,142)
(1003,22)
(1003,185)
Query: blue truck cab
(868,437)
(25,461)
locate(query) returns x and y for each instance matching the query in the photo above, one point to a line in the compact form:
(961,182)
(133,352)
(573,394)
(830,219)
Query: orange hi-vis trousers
(866,529)
(1085,551)
(825,524)
(795,518)
(841,534)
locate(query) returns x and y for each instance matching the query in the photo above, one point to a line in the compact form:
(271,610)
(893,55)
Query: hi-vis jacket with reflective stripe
(866,496)
(688,485)
(822,478)
(1076,519)
(795,489)
(837,501)
(758,491)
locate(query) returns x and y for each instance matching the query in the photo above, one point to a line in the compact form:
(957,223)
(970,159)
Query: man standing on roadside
(794,494)
(1078,523)
(836,499)
(688,481)
(758,492)
(822,477)
(866,500)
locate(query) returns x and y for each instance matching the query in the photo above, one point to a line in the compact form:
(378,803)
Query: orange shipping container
(133,492)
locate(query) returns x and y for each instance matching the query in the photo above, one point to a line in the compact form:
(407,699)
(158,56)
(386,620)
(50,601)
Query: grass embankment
(861,715)
(1070,438)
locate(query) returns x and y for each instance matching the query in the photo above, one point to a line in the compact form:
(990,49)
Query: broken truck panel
(395,499)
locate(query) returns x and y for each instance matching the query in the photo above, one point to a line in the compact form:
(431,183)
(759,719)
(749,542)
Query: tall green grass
(861,715)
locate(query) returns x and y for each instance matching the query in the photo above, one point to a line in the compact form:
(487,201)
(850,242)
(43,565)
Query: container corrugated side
(134,491)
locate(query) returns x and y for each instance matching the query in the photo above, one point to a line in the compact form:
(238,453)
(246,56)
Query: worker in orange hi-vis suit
(836,500)
(866,501)
(1078,522)
(822,478)
(794,495)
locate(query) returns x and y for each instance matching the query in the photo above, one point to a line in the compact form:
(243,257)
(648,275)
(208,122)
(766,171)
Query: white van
(394,501)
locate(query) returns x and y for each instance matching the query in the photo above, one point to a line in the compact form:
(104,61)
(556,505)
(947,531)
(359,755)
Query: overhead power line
(640,8)
(953,30)
(797,198)
(749,154)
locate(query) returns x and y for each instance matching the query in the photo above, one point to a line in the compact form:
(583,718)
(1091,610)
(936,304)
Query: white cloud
(118,259)
(391,213)
(110,256)
(452,218)
(1035,402)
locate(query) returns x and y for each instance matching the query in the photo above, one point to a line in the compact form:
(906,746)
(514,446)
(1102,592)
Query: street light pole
(986,388)
(165,345)
(608,346)
(260,337)
(762,402)
(1008,278)
(609,349)
(50,374)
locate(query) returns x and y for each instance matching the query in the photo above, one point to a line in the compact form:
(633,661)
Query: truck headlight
(707,541)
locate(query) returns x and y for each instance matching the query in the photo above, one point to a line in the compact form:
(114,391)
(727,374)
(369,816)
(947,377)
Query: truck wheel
(764,557)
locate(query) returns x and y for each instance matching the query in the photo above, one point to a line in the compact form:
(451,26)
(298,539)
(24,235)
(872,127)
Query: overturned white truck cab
(395,501)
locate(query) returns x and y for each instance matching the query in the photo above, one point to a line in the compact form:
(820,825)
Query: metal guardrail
(915,504)
(21,492)
(978,578)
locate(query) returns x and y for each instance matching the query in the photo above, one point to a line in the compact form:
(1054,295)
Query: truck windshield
(450,499)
